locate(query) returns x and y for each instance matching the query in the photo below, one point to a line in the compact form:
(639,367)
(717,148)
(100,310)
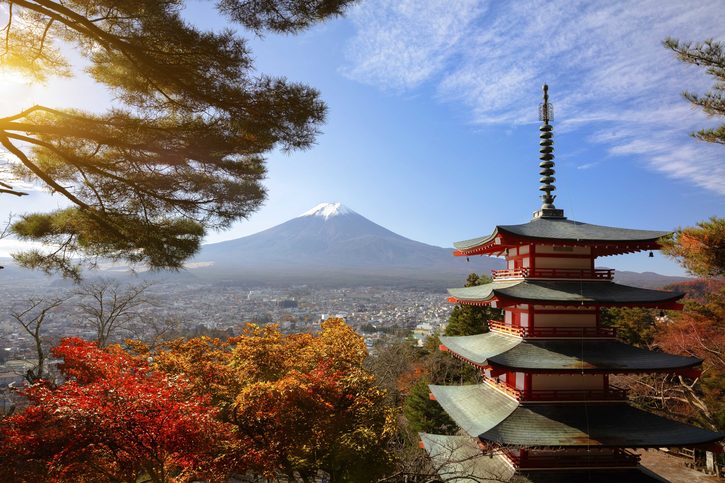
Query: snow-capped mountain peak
(326,210)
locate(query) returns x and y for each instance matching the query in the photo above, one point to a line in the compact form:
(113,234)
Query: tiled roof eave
(565,292)
(612,240)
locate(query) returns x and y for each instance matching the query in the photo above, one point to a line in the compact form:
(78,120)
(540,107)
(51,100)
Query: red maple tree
(114,419)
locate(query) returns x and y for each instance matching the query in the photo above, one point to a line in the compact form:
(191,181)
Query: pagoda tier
(459,459)
(546,406)
(502,352)
(593,293)
(494,417)
(602,240)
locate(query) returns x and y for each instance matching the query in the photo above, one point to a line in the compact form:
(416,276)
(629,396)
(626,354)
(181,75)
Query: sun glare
(11,76)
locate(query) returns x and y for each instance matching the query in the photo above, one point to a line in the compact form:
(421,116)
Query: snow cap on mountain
(326,210)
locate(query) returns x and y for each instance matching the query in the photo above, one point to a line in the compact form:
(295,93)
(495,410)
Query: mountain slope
(332,238)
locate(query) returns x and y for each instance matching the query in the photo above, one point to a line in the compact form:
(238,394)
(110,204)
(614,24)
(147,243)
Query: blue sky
(432,128)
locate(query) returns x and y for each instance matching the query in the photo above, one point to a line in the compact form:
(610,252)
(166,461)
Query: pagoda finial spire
(546,114)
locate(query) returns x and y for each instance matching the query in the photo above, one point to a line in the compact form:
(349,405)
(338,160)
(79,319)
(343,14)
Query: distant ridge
(328,245)
(332,244)
(332,241)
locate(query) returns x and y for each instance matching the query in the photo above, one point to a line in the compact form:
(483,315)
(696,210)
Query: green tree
(711,55)
(699,249)
(471,319)
(436,367)
(181,151)
(635,325)
(425,415)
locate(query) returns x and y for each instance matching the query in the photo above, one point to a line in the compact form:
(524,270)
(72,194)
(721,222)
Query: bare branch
(31,319)
(109,307)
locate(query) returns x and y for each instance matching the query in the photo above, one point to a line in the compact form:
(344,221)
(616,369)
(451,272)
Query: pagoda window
(523,249)
(524,319)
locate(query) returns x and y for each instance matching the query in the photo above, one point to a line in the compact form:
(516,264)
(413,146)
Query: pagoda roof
(588,355)
(459,459)
(634,475)
(565,292)
(484,411)
(480,347)
(559,230)
(476,408)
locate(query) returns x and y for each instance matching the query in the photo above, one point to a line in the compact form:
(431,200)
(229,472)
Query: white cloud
(408,42)
(605,62)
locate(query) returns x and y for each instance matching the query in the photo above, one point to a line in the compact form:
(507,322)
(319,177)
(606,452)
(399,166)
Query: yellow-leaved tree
(303,404)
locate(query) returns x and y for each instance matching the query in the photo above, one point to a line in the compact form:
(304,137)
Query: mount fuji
(332,243)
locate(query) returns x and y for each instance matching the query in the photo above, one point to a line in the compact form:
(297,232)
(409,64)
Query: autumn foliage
(700,249)
(114,419)
(699,331)
(262,403)
(304,400)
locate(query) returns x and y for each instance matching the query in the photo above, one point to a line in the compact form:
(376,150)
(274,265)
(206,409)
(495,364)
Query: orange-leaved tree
(699,331)
(305,401)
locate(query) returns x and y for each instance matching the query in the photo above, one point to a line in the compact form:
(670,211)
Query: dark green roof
(634,475)
(458,459)
(607,425)
(568,230)
(588,355)
(475,408)
(478,348)
(564,291)
(562,355)
(483,411)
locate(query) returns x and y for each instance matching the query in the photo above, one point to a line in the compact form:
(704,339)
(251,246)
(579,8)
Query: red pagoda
(546,410)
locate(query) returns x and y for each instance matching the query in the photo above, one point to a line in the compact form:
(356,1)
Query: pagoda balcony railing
(567,273)
(613,393)
(501,327)
(553,331)
(585,459)
(503,387)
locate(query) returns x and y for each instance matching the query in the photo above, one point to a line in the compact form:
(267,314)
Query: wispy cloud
(409,41)
(609,73)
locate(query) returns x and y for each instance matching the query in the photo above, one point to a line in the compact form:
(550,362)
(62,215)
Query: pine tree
(471,319)
(425,415)
(181,151)
(711,55)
